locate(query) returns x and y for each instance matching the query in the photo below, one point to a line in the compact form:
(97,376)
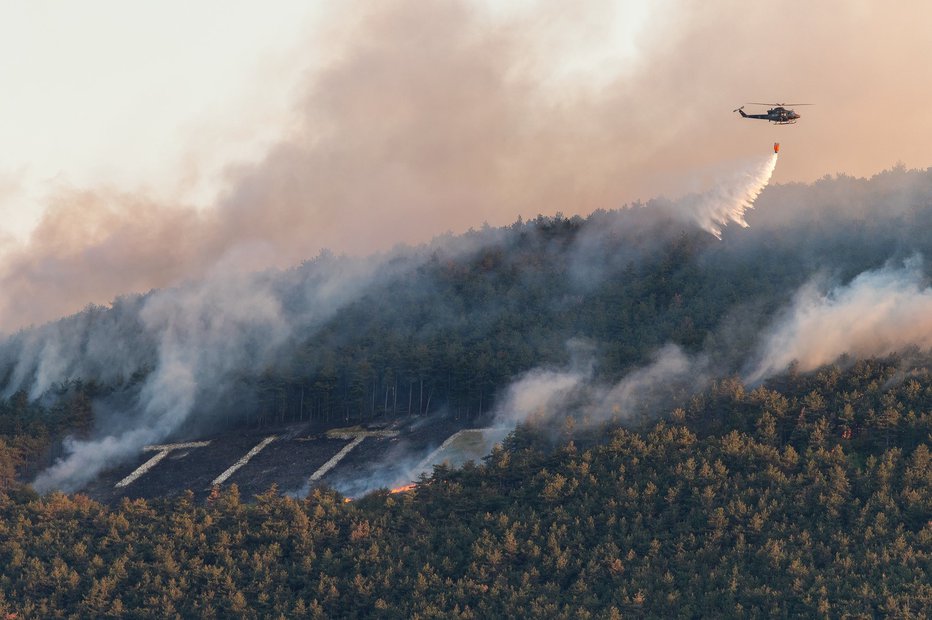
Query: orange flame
(403,489)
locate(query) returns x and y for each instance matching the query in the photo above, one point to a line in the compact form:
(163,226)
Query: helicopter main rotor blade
(781,104)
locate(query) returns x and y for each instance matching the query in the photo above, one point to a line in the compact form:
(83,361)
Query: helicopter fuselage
(778,115)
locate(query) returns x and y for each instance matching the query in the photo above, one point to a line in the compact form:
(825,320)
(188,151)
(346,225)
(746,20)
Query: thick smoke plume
(191,343)
(422,118)
(879,312)
(175,356)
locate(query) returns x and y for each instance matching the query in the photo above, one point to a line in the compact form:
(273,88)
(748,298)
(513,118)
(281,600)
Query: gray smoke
(204,335)
(427,117)
(543,395)
(175,356)
(425,120)
(878,312)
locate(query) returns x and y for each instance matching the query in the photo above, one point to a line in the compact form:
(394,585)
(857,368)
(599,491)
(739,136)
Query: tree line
(742,503)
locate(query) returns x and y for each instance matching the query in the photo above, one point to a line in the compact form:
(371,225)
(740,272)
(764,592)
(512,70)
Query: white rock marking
(162,451)
(232,468)
(317,475)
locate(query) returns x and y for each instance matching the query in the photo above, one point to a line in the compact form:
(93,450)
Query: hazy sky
(136,94)
(144,143)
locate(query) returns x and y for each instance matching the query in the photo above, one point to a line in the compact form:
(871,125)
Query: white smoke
(188,346)
(670,368)
(205,334)
(879,312)
(541,395)
(729,199)
(108,344)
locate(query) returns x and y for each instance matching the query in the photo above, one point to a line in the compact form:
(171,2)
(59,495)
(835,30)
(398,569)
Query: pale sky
(160,96)
(135,94)
(144,142)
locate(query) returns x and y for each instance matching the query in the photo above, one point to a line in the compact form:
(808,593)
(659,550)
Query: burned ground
(386,456)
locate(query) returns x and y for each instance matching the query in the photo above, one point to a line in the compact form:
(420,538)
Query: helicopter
(778,114)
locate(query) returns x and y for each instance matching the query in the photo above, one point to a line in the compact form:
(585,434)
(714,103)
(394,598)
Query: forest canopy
(779,464)
(812,497)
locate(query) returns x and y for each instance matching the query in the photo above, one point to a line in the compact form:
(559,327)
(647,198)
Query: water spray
(731,198)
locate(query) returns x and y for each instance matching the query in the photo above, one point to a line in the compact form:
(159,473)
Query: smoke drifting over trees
(620,314)
(791,469)
(879,312)
(411,127)
(427,119)
(421,119)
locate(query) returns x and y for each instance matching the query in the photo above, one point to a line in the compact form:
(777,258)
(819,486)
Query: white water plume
(730,199)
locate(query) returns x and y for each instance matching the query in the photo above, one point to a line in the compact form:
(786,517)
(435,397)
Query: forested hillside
(447,327)
(703,427)
(809,497)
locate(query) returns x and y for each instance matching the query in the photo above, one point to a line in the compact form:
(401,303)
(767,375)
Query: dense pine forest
(810,498)
(755,488)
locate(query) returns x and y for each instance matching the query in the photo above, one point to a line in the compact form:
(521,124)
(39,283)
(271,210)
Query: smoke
(542,395)
(417,120)
(671,373)
(104,344)
(426,117)
(177,356)
(181,351)
(205,336)
(729,199)
(93,245)
(879,312)
(423,119)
